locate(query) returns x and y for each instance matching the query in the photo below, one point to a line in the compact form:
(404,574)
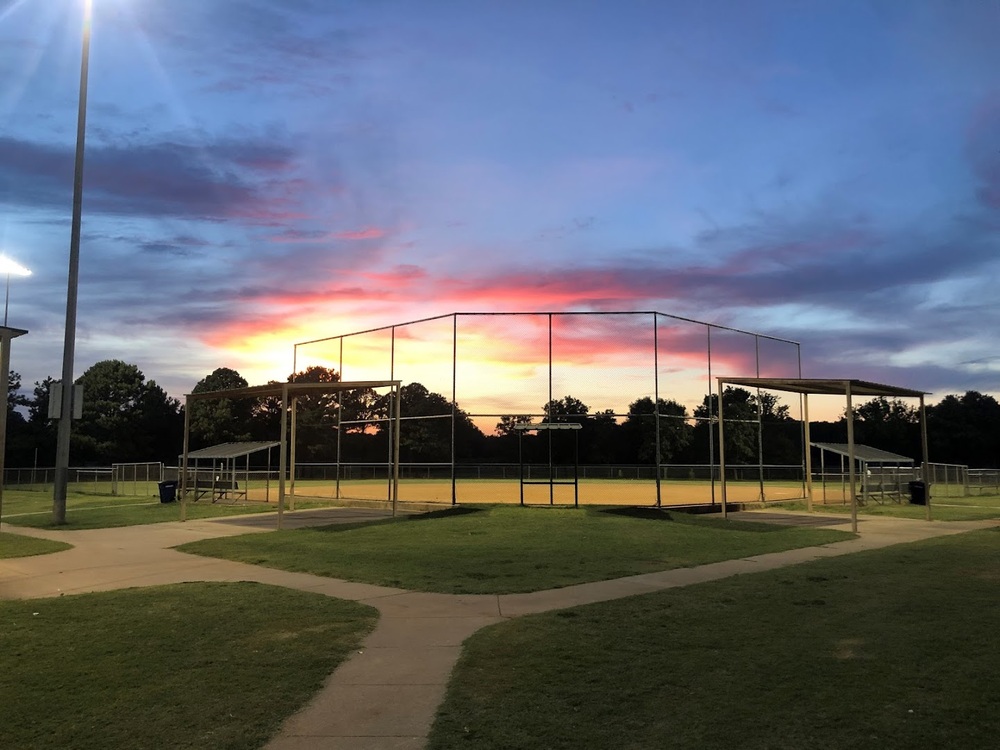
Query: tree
(639,430)
(125,418)
(38,408)
(14,397)
(965,430)
(426,432)
(20,442)
(505,427)
(223,420)
(316,420)
(740,413)
(566,409)
(889,424)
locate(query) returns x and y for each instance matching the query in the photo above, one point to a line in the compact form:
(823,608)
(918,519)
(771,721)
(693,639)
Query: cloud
(369,233)
(983,151)
(208,181)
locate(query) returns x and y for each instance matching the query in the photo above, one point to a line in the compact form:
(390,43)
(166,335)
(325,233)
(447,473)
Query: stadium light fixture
(10,268)
(69,344)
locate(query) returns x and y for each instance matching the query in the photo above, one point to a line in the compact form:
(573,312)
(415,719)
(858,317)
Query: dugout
(849,389)
(884,475)
(222,472)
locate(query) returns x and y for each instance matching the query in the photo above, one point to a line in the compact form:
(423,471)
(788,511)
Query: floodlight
(11,268)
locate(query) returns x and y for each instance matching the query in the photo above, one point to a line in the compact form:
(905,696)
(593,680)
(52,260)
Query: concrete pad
(421,632)
(429,665)
(438,605)
(368,711)
(284,742)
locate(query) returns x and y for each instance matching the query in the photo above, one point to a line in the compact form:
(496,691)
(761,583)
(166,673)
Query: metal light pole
(66,410)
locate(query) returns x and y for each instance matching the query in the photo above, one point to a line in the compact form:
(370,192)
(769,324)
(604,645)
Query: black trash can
(918,493)
(168,491)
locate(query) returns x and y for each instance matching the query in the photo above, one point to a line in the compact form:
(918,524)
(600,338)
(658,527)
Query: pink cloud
(368,233)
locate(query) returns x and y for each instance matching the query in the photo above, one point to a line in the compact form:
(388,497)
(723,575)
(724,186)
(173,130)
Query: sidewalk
(386,694)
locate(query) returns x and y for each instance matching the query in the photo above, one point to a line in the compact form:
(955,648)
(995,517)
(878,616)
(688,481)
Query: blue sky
(260,173)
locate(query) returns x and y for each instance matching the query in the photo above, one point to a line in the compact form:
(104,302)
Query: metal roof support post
(395,447)
(851,458)
(576,469)
(926,463)
(454,405)
(291,453)
(6,336)
(520,460)
(656,407)
(184,457)
(808,452)
(283,456)
(711,437)
(722,451)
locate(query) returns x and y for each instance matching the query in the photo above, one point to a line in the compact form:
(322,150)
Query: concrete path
(386,694)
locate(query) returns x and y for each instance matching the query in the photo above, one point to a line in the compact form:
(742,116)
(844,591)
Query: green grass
(886,649)
(972,508)
(203,665)
(509,549)
(90,511)
(15,545)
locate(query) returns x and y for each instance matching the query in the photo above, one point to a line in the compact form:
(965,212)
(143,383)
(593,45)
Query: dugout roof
(826,386)
(225,451)
(864,453)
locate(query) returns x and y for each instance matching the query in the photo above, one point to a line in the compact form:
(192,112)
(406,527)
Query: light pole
(69,345)
(11,268)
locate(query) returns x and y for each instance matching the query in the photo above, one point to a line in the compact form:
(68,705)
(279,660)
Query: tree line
(127,418)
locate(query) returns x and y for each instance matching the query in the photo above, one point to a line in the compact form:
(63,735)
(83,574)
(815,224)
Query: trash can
(168,491)
(918,493)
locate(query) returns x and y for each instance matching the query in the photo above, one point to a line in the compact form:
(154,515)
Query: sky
(260,173)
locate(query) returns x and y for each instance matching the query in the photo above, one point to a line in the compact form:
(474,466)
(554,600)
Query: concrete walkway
(386,694)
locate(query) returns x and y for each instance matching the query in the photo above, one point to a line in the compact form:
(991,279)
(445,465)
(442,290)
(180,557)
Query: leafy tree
(505,426)
(740,413)
(38,408)
(14,396)
(20,442)
(125,417)
(889,424)
(965,430)
(223,420)
(430,438)
(639,430)
(316,416)
(566,409)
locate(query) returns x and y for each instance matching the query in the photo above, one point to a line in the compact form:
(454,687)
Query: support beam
(722,452)
(851,459)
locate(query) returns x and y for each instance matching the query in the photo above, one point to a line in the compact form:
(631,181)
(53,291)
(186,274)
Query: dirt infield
(591,492)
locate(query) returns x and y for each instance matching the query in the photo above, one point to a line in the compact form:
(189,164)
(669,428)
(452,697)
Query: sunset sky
(263,172)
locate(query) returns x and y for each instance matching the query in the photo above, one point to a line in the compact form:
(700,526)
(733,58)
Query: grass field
(886,649)
(954,508)
(15,545)
(510,549)
(93,511)
(203,665)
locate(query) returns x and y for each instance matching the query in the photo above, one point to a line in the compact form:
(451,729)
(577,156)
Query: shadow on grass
(713,520)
